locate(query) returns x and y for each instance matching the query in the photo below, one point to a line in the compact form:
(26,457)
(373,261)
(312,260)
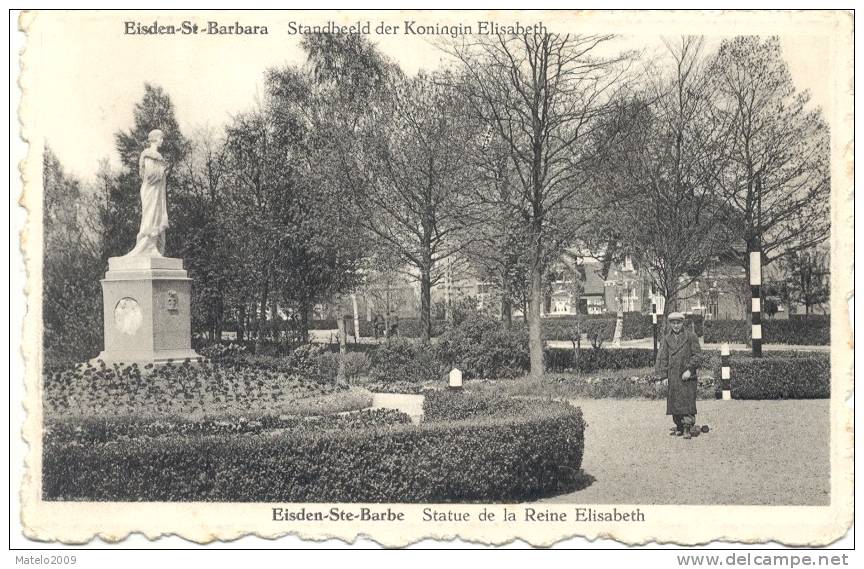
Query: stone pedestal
(147,314)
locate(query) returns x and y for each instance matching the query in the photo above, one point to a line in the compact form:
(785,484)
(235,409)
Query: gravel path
(410,404)
(757,453)
(648,343)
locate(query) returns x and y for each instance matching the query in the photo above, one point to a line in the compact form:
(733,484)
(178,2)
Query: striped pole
(756,303)
(725,372)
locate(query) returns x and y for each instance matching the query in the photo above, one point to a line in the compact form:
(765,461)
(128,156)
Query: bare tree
(776,139)
(542,94)
(409,179)
(669,211)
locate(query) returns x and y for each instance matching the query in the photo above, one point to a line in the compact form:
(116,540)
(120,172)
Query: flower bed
(520,453)
(185,390)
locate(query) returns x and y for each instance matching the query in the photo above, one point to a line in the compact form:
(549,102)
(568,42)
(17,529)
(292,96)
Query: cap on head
(155,135)
(675,316)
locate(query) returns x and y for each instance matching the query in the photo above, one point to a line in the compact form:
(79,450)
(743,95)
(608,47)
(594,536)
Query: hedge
(511,457)
(405,328)
(484,348)
(400,359)
(811,332)
(733,331)
(797,331)
(591,360)
(638,325)
(106,429)
(779,376)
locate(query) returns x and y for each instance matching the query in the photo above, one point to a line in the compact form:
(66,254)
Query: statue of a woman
(153,170)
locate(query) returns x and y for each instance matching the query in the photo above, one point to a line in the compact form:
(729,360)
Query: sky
(88,77)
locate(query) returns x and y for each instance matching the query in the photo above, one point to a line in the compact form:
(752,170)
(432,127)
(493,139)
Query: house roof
(594,284)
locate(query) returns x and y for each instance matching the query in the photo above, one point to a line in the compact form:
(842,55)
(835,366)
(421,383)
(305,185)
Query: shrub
(534,452)
(354,364)
(773,376)
(325,324)
(306,360)
(598,331)
(405,328)
(222,352)
(454,406)
(105,429)
(638,326)
(484,348)
(732,331)
(403,360)
(565,327)
(812,332)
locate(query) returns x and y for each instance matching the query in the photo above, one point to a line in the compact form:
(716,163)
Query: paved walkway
(649,344)
(410,404)
(757,453)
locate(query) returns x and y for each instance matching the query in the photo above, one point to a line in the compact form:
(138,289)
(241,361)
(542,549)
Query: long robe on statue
(154,205)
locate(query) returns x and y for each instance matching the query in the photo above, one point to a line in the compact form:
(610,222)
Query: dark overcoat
(676,354)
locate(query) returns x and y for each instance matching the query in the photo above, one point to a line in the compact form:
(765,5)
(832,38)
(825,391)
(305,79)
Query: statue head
(156,136)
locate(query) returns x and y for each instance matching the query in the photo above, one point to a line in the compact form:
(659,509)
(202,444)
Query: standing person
(677,359)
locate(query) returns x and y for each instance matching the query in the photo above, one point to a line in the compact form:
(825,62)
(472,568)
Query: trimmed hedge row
(798,331)
(405,328)
(590,360)
(106,429)
(779,376)
(507,458)
(449,406)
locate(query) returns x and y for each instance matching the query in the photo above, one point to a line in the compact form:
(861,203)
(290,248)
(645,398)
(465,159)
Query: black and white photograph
(483,274)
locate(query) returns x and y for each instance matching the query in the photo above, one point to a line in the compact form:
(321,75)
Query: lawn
(757,453)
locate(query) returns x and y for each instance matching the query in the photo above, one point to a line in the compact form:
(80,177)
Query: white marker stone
(455,378)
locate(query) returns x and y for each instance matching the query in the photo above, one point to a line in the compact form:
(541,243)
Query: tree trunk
(241,325)
(356,318)
(535,332)
(342,334)
(507,306)
(304,320)
(262,315)
(619,320)
(387,313)
(425,303)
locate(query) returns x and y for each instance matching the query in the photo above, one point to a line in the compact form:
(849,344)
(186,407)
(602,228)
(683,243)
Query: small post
(455,379)
(725,372)
(654,326)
